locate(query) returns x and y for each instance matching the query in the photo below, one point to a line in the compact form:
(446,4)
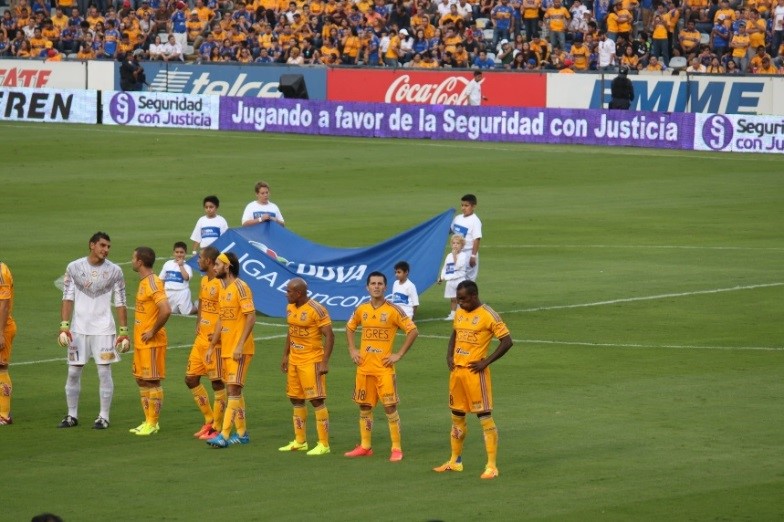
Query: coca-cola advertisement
(442,87)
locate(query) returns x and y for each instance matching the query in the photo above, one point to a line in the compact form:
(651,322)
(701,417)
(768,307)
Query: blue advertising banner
(271,255)
(255,81)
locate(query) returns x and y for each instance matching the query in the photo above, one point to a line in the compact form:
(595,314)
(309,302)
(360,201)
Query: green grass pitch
(644,290)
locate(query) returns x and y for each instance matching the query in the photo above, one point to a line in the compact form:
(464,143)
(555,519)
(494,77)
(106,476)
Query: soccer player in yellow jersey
(376,380)
(309,344)
(234,331)
(149,339)
(470,388)
(206,318)
(7,334)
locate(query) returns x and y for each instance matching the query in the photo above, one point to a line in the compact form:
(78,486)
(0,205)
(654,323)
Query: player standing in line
(404,292)
(234,331)
(470,387)
(149,339)
(376,379)
(176,276)
(453,272)
(206,319)
(306,364)
(468,225)
(262,209)
(7,334)
(87,326)
(210,226)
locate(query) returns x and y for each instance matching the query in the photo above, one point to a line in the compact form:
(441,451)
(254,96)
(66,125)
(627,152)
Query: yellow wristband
(65,325)
(123,330)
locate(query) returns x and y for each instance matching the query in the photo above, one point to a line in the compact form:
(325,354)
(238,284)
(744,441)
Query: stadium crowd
(713,36)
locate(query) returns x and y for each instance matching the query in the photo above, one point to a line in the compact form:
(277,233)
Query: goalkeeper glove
(64,338)
(123,344)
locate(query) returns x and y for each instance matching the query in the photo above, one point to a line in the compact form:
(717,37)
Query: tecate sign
(250,81)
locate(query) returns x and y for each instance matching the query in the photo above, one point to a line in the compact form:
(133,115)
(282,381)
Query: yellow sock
(145,394)
(219,409)
(366,428)
(322,425)
(203,402)
(156,402)
(394,429)
(239,420)
(229,418)
(300,418)
(5,394)
(459,430)
(491,440)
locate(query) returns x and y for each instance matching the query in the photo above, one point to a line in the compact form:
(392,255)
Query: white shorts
(472,271)
(180,301)
(450,288)
(99,347)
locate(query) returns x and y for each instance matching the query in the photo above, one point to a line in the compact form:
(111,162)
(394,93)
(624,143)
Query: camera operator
(132,76)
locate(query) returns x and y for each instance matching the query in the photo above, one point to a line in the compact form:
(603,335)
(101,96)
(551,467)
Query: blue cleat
(237,439)
(218,442)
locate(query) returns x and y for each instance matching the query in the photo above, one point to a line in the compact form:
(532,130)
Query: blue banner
(253,80)
(271,255)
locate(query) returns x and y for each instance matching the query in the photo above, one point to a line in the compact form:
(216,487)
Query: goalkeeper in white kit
(88,328)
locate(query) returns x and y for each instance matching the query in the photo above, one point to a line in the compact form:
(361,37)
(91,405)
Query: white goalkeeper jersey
(92,289)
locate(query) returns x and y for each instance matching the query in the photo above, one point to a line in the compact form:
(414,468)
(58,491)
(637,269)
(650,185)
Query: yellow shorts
(149,364)
(470,392)
(304,382)
(5,352)
(368,389)
(198,365)
(235,372)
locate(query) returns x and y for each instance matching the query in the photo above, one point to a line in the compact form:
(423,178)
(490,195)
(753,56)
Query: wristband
(123,330)
(473,256)
(65,325)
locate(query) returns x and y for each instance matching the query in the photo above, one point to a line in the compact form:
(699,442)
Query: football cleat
(138,428)
(209,434)
(218,442)
(148,429)
(294,446)
(490,473)
(68,422)
(204,429)
(239,439)
(449,466)
(5,421)
(319,449)
(100,423)
(359,451)
(396,456)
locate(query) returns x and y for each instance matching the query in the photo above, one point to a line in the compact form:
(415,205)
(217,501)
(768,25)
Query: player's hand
(477,366)
(284,365)
(208,355)
(355,357)
(64,338)
(472,262)
(322,368)
(237,355)
(123,344)
(391,359)
(147,336)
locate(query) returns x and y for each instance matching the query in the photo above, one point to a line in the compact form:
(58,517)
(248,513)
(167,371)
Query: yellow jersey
(304,336)
(235,302)
(7,294)
(149,295)
(473,333)
(209,289)
(379,326)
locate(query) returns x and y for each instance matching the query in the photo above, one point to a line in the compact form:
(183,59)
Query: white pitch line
(635,152)
(641,247)
(632,345)
(645,298)
(175,347)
